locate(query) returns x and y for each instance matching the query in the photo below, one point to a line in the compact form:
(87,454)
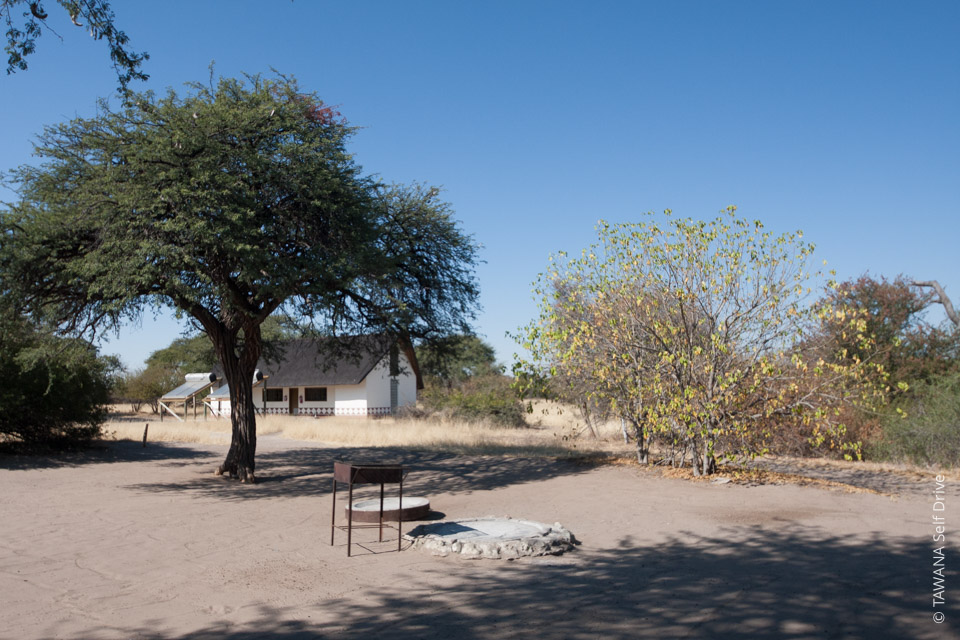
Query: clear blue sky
(539,118)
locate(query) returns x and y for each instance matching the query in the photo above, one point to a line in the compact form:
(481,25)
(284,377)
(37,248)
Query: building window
(273,395)
(315,394)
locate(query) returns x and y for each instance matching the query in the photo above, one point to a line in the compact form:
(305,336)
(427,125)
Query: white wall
(378,382)
(223,406)
(350,399)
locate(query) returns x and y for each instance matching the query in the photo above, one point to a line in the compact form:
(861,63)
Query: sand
(132,542)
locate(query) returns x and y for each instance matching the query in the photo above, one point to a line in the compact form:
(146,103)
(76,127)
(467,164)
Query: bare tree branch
(943,299)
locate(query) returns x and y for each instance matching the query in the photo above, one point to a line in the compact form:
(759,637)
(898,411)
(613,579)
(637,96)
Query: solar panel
(223,393)
(195,383)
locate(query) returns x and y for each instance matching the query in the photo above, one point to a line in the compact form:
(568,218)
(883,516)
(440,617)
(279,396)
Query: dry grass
(423,435)
(123,424)
(564,420)
(211,432)
(553,431)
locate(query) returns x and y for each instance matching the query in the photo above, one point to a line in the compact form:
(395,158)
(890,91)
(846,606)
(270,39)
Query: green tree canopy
(456,358)
(54,389)
(230,203)
(195,353)
(185,355)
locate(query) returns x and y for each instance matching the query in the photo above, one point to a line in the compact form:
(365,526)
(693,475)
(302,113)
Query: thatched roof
(320,362)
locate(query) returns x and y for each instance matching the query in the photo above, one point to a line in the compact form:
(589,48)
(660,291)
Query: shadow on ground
(309,472)
(882,481)
(101,453)
(741,583)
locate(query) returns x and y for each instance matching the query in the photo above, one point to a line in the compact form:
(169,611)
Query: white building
(358,376)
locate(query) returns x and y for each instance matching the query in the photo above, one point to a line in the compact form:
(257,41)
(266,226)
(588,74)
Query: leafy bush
(929,433)
(489,397)
(147,386)
(55,390)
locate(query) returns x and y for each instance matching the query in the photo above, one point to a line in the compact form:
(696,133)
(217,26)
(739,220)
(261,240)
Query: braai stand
(365,474)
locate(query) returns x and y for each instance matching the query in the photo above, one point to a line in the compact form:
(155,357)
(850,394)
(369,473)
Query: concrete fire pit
(369,510)
(491,537)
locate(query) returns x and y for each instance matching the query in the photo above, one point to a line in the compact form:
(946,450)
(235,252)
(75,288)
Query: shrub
(55,390)
(147,386)
(929,432)
(489,397)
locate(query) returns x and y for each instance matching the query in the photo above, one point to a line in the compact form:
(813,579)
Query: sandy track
(126,542)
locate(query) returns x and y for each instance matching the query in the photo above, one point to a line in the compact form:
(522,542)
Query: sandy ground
(132,542)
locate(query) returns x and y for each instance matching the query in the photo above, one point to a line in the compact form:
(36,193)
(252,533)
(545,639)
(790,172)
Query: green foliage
(926,429)
(54,390)
(230,203)
(95,16)
(464,382)
(489,397)
(455,358)
(693,332)
(195,354)
(166,367)
(147,386)
(185,355)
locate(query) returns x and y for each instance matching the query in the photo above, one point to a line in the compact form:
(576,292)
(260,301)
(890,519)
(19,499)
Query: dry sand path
(127,542)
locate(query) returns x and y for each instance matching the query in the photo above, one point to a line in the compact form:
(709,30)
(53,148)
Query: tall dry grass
(442,434)
(199,431)
(553,430)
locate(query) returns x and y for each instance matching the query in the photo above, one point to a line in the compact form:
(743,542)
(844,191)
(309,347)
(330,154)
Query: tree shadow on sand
(16,459)
(309,472)
(744,582)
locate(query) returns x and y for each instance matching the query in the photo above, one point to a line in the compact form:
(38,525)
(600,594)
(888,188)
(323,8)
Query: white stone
(491,537)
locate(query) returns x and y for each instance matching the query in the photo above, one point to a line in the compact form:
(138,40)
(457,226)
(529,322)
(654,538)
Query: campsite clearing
(131,542)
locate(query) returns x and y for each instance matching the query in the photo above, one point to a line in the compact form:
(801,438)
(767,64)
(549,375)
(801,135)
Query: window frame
(323,393)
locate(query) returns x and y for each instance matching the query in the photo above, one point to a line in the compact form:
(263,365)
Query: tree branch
(943,299)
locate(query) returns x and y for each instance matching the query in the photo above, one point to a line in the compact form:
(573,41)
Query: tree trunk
(643,448)
(709,462)
(238,370)
(585,410)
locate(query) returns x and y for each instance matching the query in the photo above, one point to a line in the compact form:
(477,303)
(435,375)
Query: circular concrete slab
(491,537)
(369,510)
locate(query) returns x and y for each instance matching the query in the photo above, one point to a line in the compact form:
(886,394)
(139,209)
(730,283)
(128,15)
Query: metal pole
(400,514)
(381,512)
(333,513)
(350,517)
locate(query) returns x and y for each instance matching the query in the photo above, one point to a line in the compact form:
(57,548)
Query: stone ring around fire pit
(491,537)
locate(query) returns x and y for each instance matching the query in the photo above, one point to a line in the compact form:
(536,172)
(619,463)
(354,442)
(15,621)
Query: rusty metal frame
(351,474)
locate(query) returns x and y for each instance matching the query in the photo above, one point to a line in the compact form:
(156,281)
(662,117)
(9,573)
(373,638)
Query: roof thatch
(319,362)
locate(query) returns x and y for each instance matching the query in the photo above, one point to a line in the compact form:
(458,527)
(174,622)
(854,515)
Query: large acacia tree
(229,203)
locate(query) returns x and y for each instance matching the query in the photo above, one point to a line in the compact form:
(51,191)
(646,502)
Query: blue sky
(539,118)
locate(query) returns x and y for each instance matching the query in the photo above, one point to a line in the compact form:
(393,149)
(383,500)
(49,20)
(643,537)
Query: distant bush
(930,432)
(479,398)
(147,386)
(54,390)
